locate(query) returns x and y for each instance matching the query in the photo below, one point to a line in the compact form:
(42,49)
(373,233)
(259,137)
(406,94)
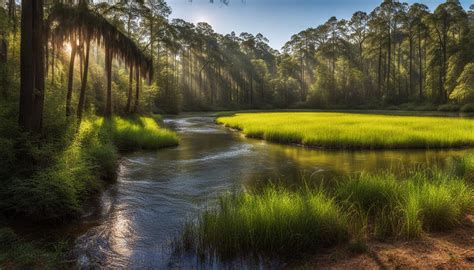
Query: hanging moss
(70,24)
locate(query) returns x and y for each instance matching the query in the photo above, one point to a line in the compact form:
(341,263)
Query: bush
(468,107)
(425,107)
(449,108)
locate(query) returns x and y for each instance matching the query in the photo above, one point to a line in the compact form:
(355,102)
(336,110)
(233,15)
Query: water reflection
(157,191)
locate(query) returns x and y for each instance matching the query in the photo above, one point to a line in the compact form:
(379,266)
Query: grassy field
(280,223)
(354,131)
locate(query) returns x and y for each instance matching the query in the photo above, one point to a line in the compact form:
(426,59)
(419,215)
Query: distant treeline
(397,56)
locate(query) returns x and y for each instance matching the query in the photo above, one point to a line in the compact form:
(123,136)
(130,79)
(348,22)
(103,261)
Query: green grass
(57,190)
(354,131)
(139,133)
(275,222)
(16,253)
(279,223)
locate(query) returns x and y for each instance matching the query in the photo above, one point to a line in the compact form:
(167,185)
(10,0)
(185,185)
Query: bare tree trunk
(137,89)
(27,66)
(379,72)
(389,61)
(38,94)
(70,79)
(12,13)
(108,70)
(82,96)
(420,60)
(410,72)
(128,109)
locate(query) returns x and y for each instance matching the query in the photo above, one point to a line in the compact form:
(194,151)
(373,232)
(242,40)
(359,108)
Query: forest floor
(446,250)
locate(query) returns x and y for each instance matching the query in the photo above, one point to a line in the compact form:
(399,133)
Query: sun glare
(67,47)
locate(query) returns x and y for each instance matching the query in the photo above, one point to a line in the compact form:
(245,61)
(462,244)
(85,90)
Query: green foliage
(449,108)
(467,108)
(354,131)
(15,253)
(464,90)
(276,222)
(58,188)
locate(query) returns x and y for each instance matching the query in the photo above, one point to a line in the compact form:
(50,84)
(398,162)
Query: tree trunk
(128,109)
(420,67)
(12,13)
(108,71)
(137,89)
(70,78)
(379,72)
(410,69)
(389,62)
(27,64)
(82,96)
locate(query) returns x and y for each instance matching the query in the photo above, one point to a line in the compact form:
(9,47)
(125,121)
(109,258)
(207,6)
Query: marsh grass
(354,131)
(278,222)
(274,222)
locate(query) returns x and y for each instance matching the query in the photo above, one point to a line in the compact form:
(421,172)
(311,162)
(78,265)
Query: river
(157,191)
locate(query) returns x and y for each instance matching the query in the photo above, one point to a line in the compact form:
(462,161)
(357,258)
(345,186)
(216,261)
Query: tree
(32,66)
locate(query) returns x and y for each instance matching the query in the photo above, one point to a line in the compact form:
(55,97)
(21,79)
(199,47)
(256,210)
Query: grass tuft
(275,222)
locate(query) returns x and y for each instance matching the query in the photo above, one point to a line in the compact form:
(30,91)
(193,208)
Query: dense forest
(397,55)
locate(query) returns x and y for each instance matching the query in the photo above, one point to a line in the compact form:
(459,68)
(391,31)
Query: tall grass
(139,133)
(354,131)
(274,222)
(282,223)
(57,190)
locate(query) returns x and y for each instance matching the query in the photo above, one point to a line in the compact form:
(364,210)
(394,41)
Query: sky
(278,20)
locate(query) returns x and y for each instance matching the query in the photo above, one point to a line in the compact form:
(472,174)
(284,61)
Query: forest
(84,85)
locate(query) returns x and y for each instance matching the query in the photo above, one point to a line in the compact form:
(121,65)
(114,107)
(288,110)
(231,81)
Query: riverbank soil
(447,250)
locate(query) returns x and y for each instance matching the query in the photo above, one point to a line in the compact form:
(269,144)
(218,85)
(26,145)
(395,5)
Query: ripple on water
(234,151)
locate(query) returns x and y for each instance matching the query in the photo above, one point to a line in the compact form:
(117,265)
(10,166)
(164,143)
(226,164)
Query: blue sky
(278,20)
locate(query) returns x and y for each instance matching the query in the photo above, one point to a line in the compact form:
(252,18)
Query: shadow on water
(157,192)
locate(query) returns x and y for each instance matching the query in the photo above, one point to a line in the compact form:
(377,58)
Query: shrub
(449,107)
(468,107)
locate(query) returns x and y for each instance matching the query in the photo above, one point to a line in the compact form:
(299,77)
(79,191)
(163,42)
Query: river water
(156,192)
